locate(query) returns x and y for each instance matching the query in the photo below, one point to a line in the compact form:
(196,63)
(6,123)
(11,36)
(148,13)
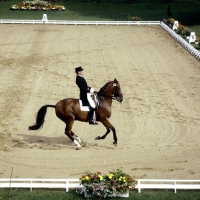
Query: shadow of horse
(33,139)
(52,141)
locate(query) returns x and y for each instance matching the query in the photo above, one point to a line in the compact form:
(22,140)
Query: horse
(68,110)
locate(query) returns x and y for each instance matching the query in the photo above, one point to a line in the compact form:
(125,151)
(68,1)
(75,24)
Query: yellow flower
(100,177)
(122,178)
(110,176)
(86,178)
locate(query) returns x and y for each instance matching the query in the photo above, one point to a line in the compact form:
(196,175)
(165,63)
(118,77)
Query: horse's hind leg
(72,136)
(75,137)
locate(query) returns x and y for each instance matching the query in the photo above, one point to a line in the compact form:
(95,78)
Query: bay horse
(68,110)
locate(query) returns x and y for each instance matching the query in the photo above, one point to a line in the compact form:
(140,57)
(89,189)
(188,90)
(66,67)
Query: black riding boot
(91,117)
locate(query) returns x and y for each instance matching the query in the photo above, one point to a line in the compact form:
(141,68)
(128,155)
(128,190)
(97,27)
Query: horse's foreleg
(109,127)
(114,136)
(72,136)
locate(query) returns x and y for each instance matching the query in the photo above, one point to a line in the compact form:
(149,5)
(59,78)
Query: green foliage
(37,194)
(187,12)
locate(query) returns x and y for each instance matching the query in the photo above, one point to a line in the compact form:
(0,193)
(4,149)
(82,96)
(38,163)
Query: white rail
(167,184)
(40,183)
(75,183)
(63,22)
(183,42)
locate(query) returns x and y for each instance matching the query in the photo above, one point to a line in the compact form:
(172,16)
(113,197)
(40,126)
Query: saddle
(85,106)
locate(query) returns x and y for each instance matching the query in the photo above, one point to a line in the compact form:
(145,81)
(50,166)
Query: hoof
(115,144)
(78,148)
(98,138)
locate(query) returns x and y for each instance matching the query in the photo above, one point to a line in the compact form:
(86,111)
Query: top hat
(78,69)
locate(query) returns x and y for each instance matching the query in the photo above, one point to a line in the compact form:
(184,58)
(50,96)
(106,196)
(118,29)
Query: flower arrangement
(182,30)
(197,39)
(170,21)
(133,18)
(36,5)
(102,186)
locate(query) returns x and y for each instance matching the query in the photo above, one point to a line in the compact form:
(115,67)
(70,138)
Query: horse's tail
(40,117)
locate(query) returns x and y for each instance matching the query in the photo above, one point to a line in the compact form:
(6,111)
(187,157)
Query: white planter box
(88,196)
(123,195)
(91,196)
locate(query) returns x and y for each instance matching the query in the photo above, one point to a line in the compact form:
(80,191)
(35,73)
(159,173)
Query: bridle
(115,94)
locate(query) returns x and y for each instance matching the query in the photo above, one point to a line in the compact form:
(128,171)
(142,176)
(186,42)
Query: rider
(85,93)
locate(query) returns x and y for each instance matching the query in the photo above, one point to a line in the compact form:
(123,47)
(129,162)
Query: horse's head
(112,90)
(117,93)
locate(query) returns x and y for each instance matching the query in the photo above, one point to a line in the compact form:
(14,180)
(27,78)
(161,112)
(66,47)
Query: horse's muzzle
(119,99)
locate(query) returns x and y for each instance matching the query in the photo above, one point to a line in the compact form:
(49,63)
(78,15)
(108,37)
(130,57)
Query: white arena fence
(183,42)
(40,183)
(167,184)
(75,184)
(62,22)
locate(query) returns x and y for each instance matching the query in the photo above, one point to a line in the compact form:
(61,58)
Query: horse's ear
(115,80)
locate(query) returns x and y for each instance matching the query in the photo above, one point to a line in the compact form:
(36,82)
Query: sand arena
(157,124)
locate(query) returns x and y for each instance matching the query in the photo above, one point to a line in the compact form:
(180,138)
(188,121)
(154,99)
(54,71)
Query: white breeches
(90,100)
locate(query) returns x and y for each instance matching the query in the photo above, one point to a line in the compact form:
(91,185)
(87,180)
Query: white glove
(91,90)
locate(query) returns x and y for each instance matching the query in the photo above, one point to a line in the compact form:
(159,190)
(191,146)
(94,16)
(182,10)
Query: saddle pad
(83,108)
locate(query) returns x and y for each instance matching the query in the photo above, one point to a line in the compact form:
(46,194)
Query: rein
(104,95)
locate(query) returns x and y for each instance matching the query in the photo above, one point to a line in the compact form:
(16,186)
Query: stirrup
(92,122)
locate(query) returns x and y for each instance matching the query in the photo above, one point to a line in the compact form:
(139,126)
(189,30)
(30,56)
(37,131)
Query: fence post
(175,186)
(175,25)
(138,186)
(67,185)
(192,37)
(44,18)
(31,186)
